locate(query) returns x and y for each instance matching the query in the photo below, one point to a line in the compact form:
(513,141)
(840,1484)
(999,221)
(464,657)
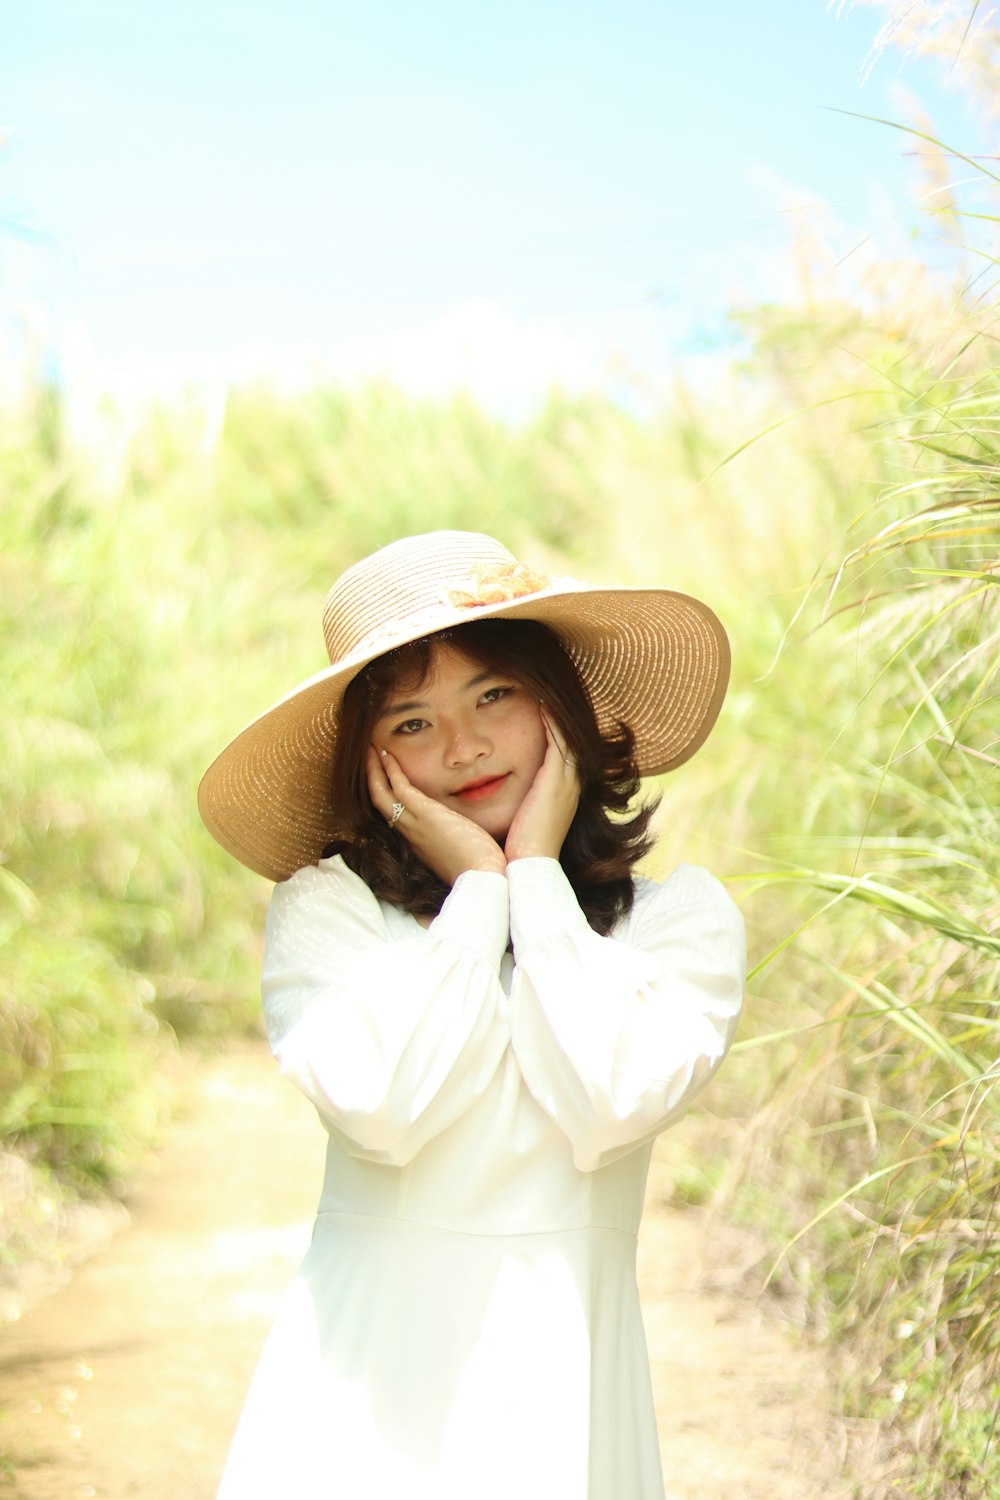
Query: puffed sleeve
(616,1035)
(392,1039)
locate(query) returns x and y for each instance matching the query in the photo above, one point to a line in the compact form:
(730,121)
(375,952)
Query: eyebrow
(392,709)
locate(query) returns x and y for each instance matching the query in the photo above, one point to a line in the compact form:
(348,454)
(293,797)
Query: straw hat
(656,659)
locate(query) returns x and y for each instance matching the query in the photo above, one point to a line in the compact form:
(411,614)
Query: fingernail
(383,754)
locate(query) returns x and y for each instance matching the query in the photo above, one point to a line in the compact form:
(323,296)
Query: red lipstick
(478,791)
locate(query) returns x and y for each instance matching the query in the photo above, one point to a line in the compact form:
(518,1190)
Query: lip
(478,791)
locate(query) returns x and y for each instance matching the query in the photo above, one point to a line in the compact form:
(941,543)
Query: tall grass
(877,867)
(105,921)
(837,503)
(144,619)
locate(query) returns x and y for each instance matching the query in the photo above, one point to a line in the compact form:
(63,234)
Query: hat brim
(654,659)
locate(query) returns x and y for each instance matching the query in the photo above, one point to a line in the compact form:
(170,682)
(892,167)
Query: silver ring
(397,812)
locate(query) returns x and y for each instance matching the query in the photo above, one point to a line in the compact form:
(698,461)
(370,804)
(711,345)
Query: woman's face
(470,737)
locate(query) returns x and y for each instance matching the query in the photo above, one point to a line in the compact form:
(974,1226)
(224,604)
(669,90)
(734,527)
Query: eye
(494,694)
(409,726)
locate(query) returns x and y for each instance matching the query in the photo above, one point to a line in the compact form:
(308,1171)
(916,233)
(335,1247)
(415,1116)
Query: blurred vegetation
(836,499)
(877,1055)
(147,612)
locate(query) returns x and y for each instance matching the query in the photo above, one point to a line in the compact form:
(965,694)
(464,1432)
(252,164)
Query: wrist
(531,849)
(488,864)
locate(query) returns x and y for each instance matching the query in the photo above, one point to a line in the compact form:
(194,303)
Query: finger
(385,800)
(396,777)
(378,784)
(401,788)
(387,784)
(557,738)
(552,730)
(377,780)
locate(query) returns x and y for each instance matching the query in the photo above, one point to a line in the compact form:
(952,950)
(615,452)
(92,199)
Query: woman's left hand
(542,821)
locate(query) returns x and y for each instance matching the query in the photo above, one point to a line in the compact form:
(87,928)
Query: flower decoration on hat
(496,584)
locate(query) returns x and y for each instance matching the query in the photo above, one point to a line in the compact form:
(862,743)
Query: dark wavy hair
(604,841)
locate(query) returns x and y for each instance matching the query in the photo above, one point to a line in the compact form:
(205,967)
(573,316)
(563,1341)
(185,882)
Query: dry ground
(128,1380)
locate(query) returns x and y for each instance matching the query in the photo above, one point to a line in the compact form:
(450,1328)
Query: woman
(492,1014)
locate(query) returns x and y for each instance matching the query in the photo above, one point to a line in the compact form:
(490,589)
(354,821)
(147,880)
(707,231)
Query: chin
(497,827)
(498,831)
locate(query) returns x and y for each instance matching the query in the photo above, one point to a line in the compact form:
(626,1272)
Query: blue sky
(205,186)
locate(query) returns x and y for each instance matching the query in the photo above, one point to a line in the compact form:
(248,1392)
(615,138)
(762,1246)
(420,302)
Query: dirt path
(127,1382)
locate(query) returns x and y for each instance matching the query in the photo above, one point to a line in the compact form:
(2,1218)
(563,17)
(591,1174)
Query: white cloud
(506,363)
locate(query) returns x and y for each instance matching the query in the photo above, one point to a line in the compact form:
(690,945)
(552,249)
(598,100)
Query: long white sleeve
(615,1036)
(392,1040)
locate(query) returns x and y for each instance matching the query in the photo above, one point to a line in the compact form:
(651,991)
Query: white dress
(466,1323)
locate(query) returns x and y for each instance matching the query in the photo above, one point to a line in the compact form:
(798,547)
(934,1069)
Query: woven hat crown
(383,598)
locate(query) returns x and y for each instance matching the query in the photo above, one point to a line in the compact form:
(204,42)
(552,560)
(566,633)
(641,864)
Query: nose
(466,744)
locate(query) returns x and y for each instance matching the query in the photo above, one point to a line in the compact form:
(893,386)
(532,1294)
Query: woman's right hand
(445,841)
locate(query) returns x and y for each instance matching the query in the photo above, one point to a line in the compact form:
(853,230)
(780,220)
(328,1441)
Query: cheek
(534,743)
(412,763)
